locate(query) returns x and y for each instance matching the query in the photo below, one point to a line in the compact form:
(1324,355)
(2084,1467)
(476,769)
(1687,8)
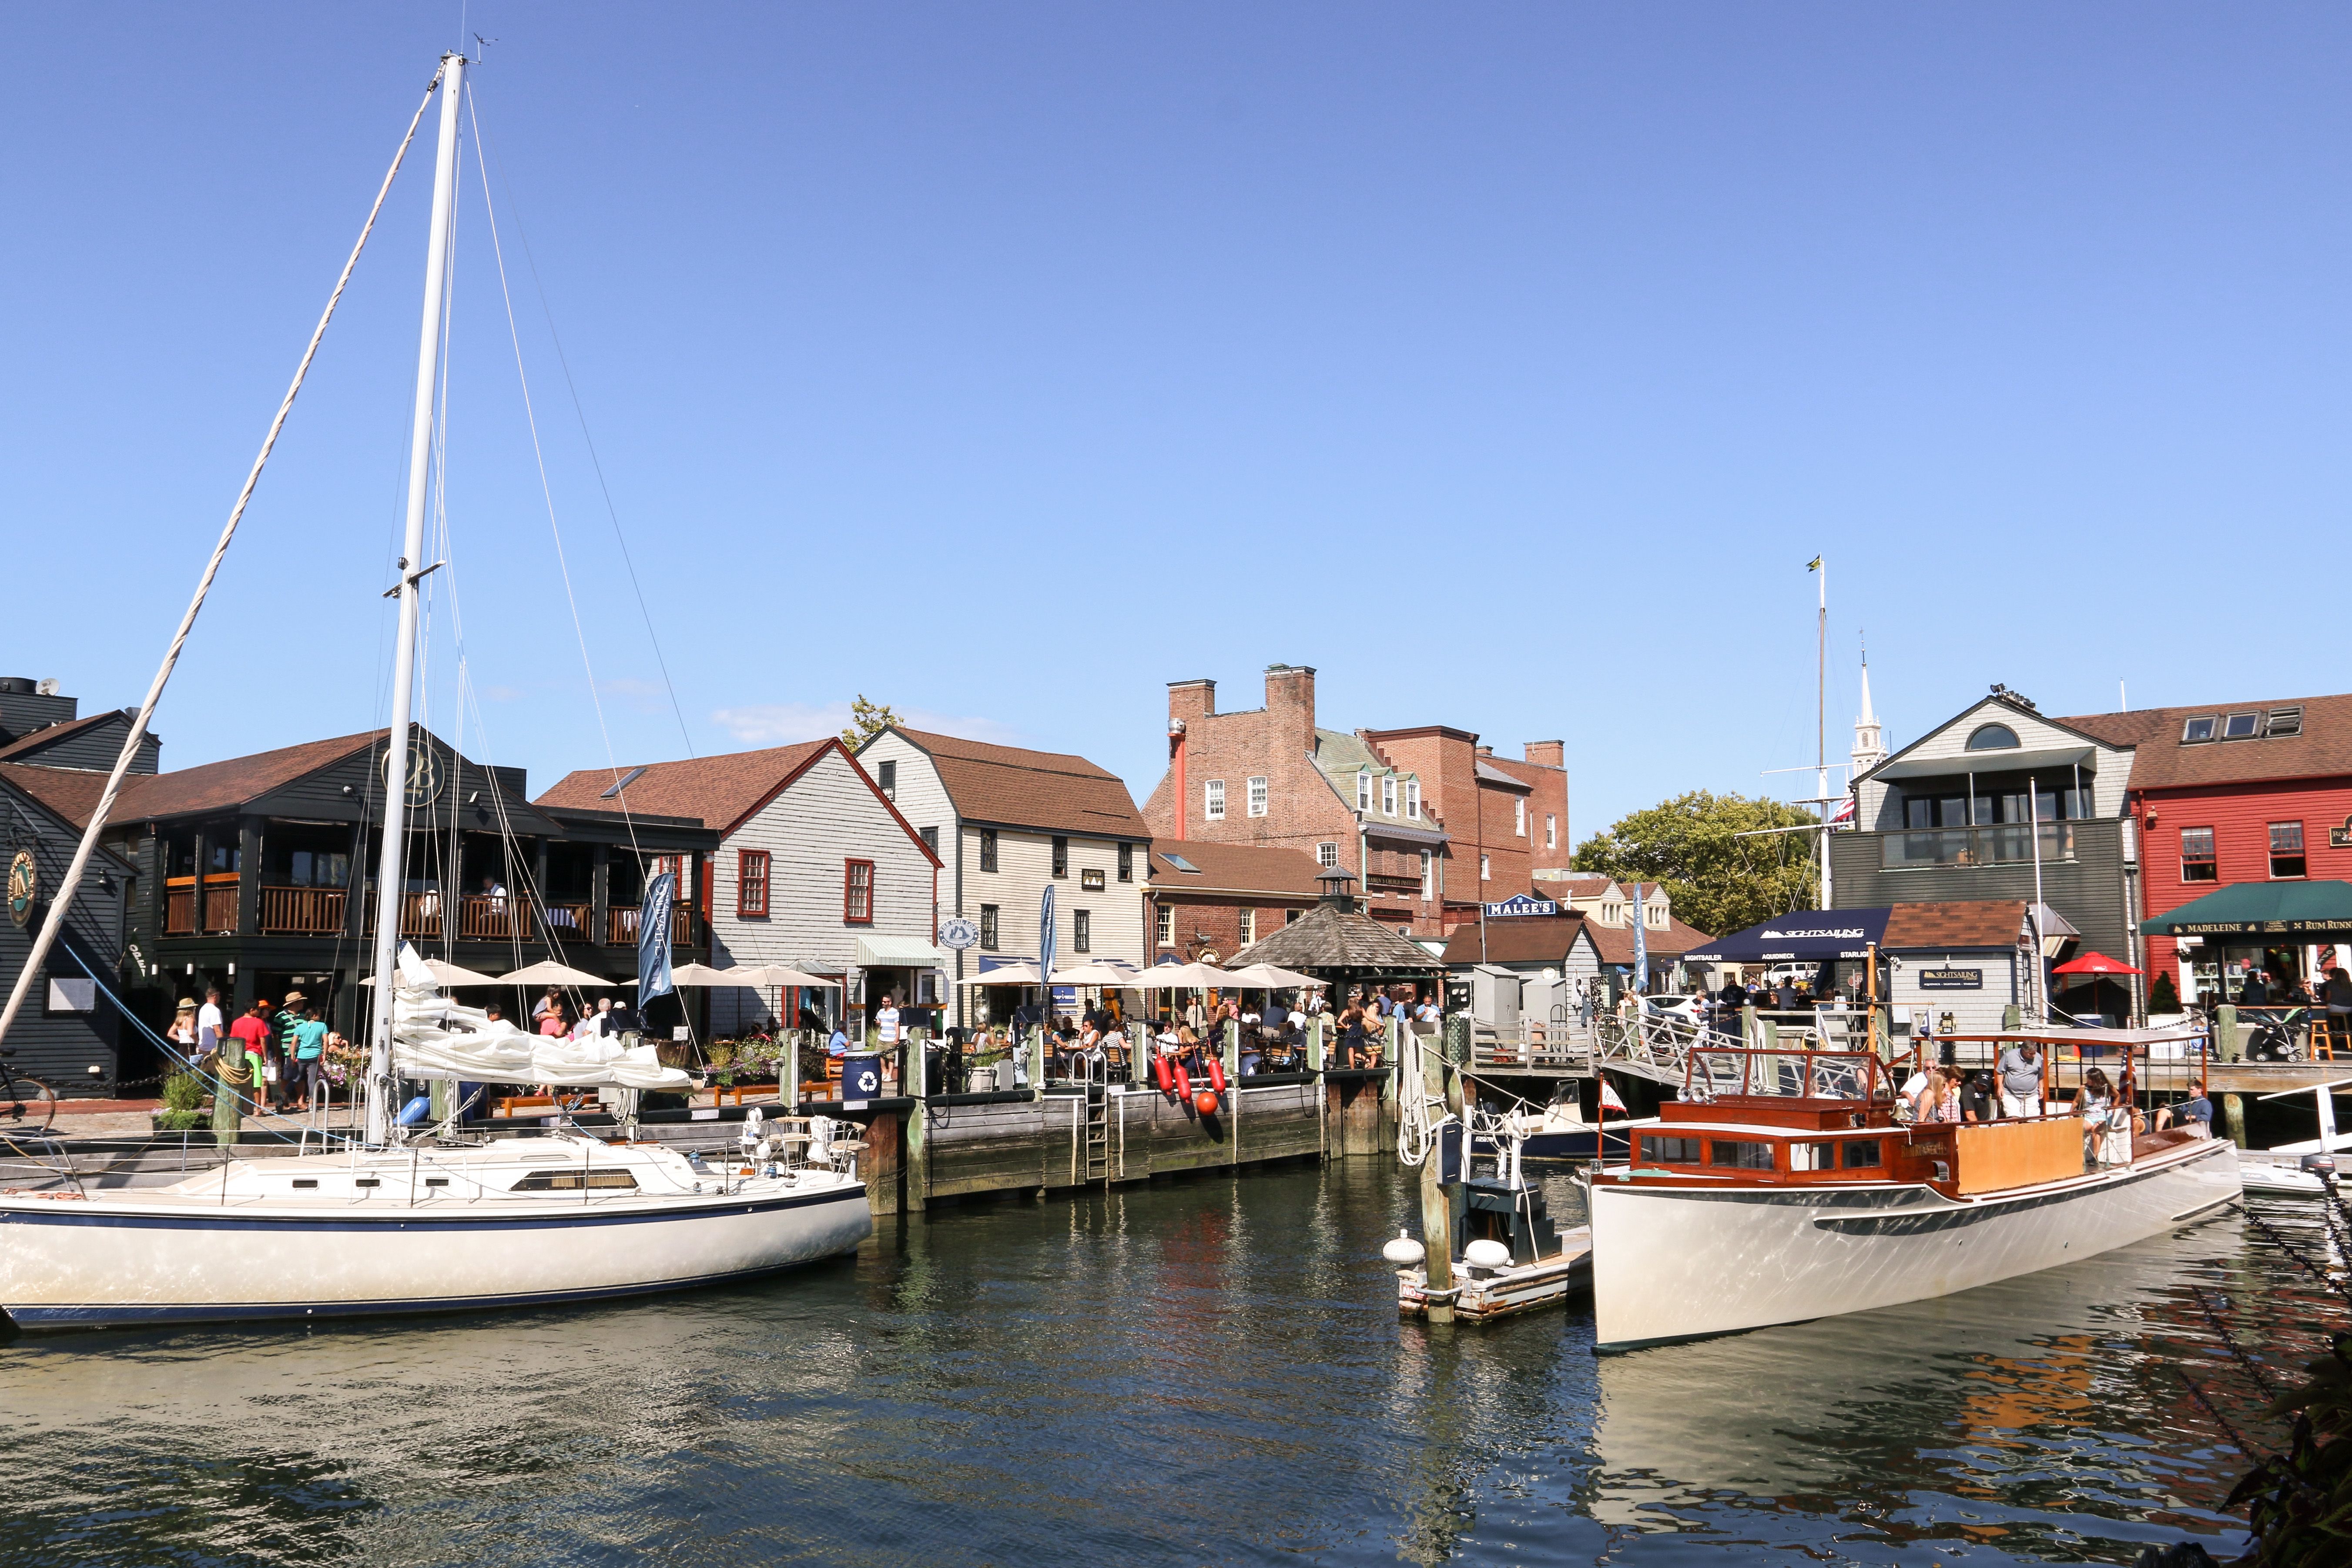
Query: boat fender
(1160,1071)
(1205,1102)
(1183,1081)
(1486,1253)
(1405,1251)
(1217,1076)
(416,1111)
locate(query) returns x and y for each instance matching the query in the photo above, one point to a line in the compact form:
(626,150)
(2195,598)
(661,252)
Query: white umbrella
(745,976)
(1266,977)
(547,971)
(1009,974)
(1181,977)
(445,973)
(1096,975)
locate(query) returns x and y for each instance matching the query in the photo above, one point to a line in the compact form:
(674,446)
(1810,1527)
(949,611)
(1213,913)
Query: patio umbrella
(1181,977)
(1008,975)
(1267,977)
(1096,975)
(547,971)
(746,976)
(2095,963)
(446,974)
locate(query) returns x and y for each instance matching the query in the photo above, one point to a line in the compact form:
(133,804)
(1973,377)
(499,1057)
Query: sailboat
(406,1222)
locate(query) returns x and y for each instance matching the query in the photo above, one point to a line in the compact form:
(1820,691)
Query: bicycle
(17,1104)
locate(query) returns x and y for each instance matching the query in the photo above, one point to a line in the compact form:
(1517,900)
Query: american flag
(1843,815)
(2328,958)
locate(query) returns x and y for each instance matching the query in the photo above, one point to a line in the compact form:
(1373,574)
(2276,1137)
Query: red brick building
(1431,822)
(2224,793)
(1206,902)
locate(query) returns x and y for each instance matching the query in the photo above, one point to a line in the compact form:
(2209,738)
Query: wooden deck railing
(301,911)
(483,916)
(621,925)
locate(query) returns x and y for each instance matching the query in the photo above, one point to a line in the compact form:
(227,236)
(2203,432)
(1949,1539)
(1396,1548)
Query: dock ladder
(1098,1133)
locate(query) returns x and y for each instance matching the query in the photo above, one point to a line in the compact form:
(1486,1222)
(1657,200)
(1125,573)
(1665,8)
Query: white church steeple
(1869,743)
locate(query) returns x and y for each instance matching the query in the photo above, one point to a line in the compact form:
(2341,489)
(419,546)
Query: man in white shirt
(208,1022)
(887,1023)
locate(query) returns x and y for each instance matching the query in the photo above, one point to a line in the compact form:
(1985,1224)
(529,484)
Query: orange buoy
(1184,1082)
(1205,1102)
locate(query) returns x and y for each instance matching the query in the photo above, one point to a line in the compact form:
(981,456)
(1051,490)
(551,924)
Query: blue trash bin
(861,1079)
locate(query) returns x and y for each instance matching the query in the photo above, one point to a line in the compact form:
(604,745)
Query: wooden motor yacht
(1783,1186)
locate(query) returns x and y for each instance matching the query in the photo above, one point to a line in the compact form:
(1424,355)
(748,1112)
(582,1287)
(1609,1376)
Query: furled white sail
(435,1038)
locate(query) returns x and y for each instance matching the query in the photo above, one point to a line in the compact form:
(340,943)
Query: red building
(2220,794)
(1206,902)
(1431,822)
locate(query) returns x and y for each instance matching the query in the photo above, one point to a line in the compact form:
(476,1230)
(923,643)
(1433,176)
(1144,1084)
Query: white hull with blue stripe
(520,1222)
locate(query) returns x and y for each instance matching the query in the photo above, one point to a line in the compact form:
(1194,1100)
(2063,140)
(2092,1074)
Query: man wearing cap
(285,1026)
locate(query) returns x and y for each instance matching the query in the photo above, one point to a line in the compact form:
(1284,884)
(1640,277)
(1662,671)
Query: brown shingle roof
(1234,868)
(2324,750)
(1616,942)
(1987,924)
(1327,939)
(717,792)
(1051,790)
(1541,940)
(41,740)
(71,792)
(217,786)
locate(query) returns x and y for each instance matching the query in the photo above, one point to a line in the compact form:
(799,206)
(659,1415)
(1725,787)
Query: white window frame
(1551,831)
(1213,801)
(1248,927)
(1256,797)
(1327,855)
(1485,869)
(1388,794)
(1364,789)
(1519,815)
(1428,876)
(1163,926)
(1412,799)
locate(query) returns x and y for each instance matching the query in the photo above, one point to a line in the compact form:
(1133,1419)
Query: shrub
(179,1121)
(2162,997)
(184,1091)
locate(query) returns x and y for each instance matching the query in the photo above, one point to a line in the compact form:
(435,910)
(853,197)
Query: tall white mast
(391,864)
(1821,720)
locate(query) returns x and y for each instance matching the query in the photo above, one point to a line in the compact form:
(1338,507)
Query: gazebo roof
(1335,939)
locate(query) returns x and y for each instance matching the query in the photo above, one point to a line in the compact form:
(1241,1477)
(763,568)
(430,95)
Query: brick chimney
(1486,751)
(1290,704)
(1546,754)
(1191,699)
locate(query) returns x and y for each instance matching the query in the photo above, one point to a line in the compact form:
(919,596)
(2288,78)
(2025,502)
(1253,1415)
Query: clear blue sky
(1006,362)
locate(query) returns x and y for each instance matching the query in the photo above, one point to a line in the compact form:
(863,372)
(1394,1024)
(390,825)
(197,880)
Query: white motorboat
(2305,1169)
(401,1222)
(1783,1188)
(1560,1131)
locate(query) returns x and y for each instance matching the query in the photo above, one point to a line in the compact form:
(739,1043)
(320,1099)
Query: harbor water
(1201,1371)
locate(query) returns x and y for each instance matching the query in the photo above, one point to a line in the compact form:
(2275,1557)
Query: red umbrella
(2095,963)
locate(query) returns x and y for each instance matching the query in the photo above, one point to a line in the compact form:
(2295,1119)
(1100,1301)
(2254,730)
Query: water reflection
(1209,1370)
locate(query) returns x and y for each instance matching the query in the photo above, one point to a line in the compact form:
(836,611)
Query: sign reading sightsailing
(1951,979)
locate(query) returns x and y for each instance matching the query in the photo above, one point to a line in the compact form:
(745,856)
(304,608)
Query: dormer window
(1613,914)
(2241,726)
(1993,738)
(2196,730)
(1364,791)
(1412,799)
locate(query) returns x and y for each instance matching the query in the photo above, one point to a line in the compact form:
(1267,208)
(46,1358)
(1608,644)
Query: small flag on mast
(1815,564)
(1608,1100)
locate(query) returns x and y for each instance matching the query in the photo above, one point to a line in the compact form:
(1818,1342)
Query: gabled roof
(2007,707)
(717,792)
(69,794)
(1487,771)
(2323,749)
(219,786)
(1011,786)
(1331,939)
(1993,922)
(1615,943)
(25,747)
(1541,940)
(1233,868)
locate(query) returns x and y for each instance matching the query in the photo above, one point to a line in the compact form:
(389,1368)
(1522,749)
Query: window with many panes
(2197,861)
(1257,798)
(1327,855)
(1519,817)
(1412,799)
(988,928)
(2286,849)
(1127,862)
(1388,794)
(1212,800)
(1082,931)
(1249,927)
(1364,792)
(1061,856)
(1551,831)
(857,891)
(1428,876)
(1163,927)
(988,850)
(752,884)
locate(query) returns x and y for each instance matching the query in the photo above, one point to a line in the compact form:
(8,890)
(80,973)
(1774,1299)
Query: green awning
(2261,909)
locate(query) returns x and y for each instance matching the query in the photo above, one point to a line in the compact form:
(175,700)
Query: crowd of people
(2014,1086)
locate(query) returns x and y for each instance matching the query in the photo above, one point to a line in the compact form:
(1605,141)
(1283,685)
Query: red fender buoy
(1184,1082)
(1205,1103)
(1217,1074)
(1160,1071)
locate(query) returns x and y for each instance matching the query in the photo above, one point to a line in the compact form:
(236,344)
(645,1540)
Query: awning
(900,953)
(2261,909)
(2049,758)
(1810,936)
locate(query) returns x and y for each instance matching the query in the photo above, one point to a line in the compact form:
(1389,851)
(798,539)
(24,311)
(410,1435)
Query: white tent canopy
(1182,977)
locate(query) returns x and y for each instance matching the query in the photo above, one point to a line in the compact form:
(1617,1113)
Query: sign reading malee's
(1951,979)
(1521,905)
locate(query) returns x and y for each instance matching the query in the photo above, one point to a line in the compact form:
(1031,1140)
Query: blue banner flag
(1045,937)
(652,940)
(1641,947)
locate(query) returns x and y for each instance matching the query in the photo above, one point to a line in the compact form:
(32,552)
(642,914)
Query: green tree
(866,720)
(1718,881)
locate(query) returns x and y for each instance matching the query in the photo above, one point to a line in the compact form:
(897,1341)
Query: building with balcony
(257,874)
(1970,811)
